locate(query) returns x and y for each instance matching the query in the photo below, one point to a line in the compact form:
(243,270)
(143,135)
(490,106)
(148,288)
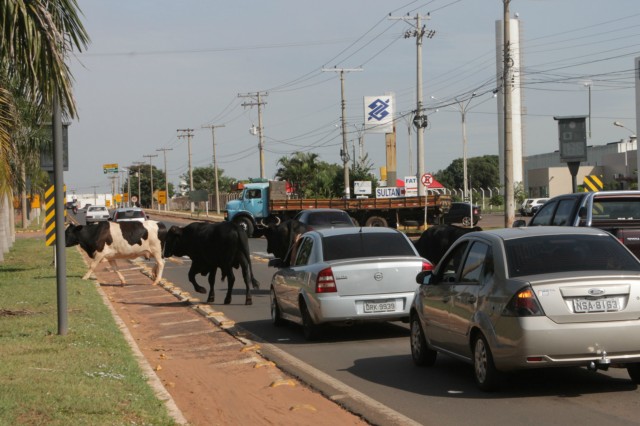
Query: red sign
(426,179)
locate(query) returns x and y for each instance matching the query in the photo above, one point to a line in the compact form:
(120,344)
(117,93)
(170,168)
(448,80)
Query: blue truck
(262,203)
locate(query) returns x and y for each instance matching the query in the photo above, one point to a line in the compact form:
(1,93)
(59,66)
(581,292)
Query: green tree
(482,172)
(204,178)
(300,170)
(34,38)
(139,173)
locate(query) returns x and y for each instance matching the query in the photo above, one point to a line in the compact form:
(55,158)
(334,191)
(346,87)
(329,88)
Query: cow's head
(71,235)
(172,243)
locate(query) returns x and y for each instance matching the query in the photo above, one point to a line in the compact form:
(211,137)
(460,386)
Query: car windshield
(365,245)
(565,253)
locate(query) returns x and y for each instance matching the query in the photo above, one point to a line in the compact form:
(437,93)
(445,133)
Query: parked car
(524,298)
(129,214)
(461,213)
(523,206)
(346,275)
(325,218)
(96,214)
(533,205)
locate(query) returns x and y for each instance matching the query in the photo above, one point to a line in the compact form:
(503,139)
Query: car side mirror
(519,223)
(424,277)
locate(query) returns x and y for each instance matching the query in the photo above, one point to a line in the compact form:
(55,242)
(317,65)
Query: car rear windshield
(365,245)
(329,219)
(566,253)
(606,209)
(130,214)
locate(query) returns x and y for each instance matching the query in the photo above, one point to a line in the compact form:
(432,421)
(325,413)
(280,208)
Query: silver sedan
(536,297)
(344,275)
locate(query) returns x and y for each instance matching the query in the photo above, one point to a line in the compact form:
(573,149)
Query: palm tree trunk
(23,201)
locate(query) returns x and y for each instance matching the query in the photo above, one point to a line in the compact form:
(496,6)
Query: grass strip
(89,376)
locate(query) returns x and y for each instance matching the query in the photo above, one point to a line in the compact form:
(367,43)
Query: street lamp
(463,107)
(619,124)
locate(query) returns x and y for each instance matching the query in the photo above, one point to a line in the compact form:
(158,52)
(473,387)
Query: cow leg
(158,270)
(192,278)
(212,281)
(93,265)
(231,279)
(114,266)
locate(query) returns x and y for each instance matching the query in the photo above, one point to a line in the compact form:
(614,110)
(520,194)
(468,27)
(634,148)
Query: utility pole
(139,164)
(420,120)
(344,152)
(188,133)
(509,203)
(215,163)
(166,177)
(151,174)
(258,101)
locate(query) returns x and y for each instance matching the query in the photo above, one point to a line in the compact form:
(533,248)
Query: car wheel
(309,328)
(486,375)
(246,225)
(276,315)
(376,221)
(420,351)
(634,372)
(466,221)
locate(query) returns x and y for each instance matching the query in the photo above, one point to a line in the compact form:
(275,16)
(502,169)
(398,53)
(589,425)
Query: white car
(345,275)
(129,214)
(96,214)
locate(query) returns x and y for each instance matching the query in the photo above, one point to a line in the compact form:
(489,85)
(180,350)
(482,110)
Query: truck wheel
(246,225)
(376,221)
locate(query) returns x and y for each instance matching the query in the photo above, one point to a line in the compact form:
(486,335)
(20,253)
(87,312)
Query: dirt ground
(205,374)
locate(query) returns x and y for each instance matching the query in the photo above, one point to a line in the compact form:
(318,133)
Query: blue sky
(155,66)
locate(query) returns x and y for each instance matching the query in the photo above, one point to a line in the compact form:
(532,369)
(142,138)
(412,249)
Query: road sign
(110,168)
(134,199)
(426,179)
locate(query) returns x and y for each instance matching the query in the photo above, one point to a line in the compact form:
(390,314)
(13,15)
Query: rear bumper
(539,342)
(328,309)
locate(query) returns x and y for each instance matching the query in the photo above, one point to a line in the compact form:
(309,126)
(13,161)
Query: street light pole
(632,136)
(151,177)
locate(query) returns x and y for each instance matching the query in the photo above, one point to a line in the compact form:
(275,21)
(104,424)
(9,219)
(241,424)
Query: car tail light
(523,304)
(325,283)
(427,266)
(475,212)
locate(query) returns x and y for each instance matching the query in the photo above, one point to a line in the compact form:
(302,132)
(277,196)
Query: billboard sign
(378,114)
(362,187)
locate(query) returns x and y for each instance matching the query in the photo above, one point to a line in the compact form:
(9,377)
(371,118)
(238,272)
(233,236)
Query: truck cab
(252,206)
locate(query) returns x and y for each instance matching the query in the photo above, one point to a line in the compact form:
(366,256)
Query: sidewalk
(206,375)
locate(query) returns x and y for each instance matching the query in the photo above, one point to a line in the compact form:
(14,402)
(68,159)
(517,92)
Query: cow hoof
(201,290)
(248,302)
(227,300)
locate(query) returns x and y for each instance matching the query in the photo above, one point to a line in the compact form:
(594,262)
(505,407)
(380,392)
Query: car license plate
(387,306)
(597,305)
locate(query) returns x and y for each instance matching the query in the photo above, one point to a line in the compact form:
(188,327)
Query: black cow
(211,246)
(122,240)
(281,237)
(435,241)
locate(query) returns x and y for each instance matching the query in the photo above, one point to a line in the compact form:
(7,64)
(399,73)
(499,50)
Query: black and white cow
(282,236)
(211,246)
(122,240)
(436,240)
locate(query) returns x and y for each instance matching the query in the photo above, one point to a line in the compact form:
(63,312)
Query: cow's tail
(247,270)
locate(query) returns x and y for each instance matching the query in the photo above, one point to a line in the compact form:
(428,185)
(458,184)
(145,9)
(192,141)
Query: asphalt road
(375,361)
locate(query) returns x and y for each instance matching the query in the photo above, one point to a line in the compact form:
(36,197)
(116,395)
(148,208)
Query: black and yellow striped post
(50,215)
(592,183)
